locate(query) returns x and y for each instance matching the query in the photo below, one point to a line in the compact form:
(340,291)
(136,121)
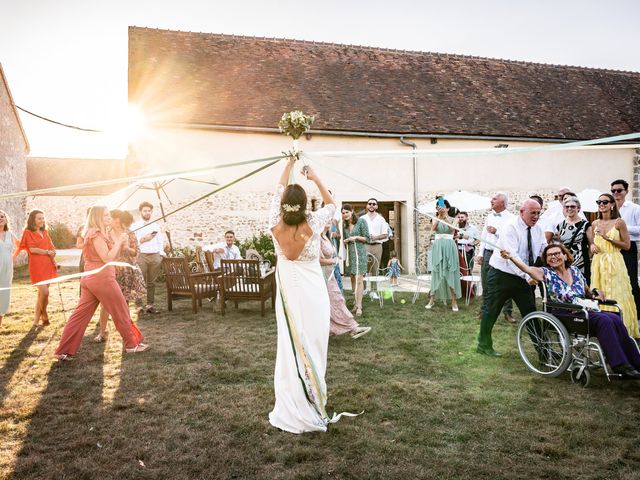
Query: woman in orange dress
(100,288)
(42,266)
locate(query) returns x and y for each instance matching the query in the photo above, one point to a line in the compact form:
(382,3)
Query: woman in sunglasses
(608,271)
(565,283)
(577,235)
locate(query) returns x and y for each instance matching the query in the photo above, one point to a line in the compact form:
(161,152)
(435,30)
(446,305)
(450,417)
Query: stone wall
(13,166)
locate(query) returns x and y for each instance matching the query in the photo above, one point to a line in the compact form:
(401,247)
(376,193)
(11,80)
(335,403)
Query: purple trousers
(618,346)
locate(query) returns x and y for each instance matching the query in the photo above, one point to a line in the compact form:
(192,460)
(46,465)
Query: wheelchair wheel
(543,343)
(585,377)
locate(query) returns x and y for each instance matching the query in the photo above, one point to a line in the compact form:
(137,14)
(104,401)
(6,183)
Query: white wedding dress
(302,314)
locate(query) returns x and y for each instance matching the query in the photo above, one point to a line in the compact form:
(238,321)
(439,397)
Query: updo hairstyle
(294,205)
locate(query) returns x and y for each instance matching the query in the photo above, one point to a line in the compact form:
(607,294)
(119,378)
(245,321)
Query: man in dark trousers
(525,239)
(630,213)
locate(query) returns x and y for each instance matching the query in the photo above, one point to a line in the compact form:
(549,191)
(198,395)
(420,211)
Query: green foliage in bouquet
(61,236)
(262,243)
(295,123)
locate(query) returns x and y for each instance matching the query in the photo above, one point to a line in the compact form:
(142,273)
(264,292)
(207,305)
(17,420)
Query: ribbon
(72,276)
(137,178)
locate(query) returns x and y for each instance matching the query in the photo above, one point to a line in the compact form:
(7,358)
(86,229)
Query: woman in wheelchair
(565,283)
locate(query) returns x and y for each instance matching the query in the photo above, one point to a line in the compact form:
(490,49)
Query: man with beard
(149,237)
(467,238)
(378,231)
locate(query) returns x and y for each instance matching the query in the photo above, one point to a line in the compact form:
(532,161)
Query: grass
(196,405)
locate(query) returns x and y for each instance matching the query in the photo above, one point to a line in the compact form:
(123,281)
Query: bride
(302,307)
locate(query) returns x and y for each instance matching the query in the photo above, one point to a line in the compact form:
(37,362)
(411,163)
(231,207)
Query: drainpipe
(415,194)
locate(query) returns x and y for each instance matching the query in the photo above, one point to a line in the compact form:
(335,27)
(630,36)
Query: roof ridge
(391,50)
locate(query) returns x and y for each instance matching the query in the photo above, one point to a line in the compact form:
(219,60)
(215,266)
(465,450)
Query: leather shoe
(628,372)
(490,352)
(509,318)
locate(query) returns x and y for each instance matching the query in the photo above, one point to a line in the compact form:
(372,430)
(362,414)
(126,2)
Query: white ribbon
(71,276)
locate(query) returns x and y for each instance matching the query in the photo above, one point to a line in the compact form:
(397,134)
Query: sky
(67,59)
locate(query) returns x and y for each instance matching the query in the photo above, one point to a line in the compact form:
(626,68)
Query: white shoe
(360,331)
(454,308)
(429,306)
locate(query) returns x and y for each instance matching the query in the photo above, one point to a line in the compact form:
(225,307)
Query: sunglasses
(603,202)
(617,190)
(554,254)
(371,203)
(570,206)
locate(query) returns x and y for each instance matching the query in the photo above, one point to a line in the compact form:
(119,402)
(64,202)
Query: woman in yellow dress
(608,271)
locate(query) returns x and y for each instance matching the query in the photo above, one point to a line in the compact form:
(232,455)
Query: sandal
(360,331)
(63,357)
(358,312)
(99,338)
(141,347)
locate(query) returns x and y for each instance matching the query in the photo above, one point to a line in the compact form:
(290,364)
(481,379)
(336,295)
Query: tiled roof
(47,172)
(211,79)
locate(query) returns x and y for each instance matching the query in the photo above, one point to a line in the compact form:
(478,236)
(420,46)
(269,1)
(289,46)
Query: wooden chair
(182,283)
(242,280)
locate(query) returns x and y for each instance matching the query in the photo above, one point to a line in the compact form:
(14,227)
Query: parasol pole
(157,187)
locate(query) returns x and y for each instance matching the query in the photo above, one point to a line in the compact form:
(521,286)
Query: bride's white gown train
(302,314)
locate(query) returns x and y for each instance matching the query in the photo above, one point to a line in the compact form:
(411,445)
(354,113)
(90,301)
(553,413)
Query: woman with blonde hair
(100,287)
(8,244)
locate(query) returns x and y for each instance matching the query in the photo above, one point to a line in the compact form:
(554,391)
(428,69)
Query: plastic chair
(422,274)
(474,280)
(376,277)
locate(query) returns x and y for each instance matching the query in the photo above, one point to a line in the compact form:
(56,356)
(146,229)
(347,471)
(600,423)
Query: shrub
(262,243)
(61,236)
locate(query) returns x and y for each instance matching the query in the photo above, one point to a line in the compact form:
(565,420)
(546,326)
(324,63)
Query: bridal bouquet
(295,123)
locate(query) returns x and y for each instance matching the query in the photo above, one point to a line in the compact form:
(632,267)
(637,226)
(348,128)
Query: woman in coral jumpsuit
(101,288)
(36,242)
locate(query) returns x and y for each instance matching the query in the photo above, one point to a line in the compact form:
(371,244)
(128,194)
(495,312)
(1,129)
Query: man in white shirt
(630,213)
(378,234)
(149,235)
(226,250)
(495,223)
(554,215)
(524,239)
(378,230)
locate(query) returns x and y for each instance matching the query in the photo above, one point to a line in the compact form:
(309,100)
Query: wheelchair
(552,343)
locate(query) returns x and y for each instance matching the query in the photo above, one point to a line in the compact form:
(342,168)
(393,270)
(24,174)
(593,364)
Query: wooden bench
(242,280)
(181,282)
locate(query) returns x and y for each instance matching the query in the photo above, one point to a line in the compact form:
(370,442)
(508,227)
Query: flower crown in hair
(290,208)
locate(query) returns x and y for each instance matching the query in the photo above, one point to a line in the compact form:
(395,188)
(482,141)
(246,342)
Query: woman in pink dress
(341,319)
(100,288)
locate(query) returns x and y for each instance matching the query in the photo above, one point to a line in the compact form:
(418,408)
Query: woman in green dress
(356,236)
(445,269)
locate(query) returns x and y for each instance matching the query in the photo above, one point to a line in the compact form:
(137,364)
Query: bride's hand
(308,171)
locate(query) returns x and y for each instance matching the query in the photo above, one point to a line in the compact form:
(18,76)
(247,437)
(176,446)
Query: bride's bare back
(292,238)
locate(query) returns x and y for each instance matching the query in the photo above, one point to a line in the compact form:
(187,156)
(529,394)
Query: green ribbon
(136,178)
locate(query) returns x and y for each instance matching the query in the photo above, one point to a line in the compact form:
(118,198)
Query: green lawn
(196,405)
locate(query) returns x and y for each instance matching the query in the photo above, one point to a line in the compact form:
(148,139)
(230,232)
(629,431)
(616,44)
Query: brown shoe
(509,318)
